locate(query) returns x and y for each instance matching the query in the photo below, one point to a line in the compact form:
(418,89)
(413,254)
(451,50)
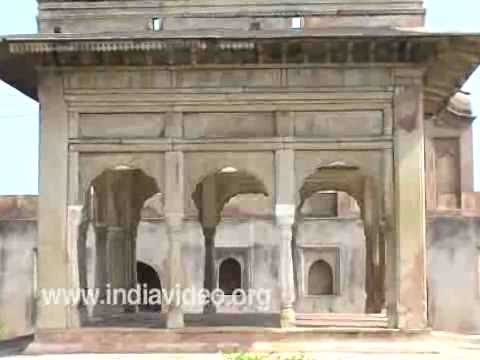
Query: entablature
(446,59)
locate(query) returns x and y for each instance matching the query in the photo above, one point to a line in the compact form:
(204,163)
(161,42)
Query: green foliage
(3,330)
(260,356)
(246,356)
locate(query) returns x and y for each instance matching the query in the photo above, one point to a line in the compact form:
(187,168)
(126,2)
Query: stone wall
(453,262)
(18,236)
(453,268)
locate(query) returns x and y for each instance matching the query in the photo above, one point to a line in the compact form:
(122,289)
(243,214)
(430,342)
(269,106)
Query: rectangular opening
(296,23)
(156,24)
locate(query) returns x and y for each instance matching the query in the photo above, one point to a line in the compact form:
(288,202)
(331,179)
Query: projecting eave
(18,70)
(449,58)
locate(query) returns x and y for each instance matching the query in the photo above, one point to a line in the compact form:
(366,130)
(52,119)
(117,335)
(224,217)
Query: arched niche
(320,279)
(230,276)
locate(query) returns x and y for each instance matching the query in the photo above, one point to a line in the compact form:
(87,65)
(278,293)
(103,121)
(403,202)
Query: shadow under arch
(149,280)
(210,196)
(363,188)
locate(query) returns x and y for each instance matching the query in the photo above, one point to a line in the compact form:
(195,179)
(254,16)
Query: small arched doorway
(230,276)
(320,279)
(146,275)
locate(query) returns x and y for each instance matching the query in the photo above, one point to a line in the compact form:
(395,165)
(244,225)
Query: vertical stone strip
(174,214)
(53,268)
(101,260)
(73,254)
(409,159)
(285,217)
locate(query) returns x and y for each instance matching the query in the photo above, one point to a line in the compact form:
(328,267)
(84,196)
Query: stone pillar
(375,256)
(53,268)
(409,155)
(130,261)
(174,214)
(285,217)
(116,264)
(101,259)
(210,219)
(209,282)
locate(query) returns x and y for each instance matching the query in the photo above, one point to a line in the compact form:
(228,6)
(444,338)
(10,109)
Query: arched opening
(320,279)
(243,192)
(339,213)
(230,276)
(113,209)
(149,282)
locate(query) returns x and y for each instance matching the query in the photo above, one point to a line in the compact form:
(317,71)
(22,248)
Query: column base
(175,319)
(287,318)
(75,316)
(130,309)
(209,309)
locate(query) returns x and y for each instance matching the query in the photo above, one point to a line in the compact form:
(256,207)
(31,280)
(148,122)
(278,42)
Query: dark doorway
(147,275)
(230,276)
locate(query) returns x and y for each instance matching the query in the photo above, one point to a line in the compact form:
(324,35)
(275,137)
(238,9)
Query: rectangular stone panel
(124,125)
(447,167)
(228,78)
(118,79)
(321,77)
(338,123)
(225,125)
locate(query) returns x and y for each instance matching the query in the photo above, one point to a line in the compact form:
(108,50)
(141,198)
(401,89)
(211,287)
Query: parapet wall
(136,15)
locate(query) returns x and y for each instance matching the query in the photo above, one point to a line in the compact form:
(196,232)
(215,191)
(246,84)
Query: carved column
(285,216)
(409,155)
(174,214)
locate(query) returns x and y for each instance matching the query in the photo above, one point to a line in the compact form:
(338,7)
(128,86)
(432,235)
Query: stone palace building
(321,150)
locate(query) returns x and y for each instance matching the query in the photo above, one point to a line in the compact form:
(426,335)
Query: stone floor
(454,355)
(441,346)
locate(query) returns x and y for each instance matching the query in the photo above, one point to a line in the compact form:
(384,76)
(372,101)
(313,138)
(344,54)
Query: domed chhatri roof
(461,105)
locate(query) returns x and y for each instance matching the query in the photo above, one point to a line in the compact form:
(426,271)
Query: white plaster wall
(453,274)
(260,237)
(346,235)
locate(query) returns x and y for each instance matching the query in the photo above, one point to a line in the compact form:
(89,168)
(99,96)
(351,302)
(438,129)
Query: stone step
(342,320)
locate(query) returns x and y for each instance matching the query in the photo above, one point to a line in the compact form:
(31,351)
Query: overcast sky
(19,114)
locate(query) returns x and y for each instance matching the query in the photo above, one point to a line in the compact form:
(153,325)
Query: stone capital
(285,214)
(174,220)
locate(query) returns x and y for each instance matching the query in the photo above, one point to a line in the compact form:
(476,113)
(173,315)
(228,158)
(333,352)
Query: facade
(317,151)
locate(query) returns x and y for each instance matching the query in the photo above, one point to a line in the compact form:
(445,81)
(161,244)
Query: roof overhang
(448,58)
